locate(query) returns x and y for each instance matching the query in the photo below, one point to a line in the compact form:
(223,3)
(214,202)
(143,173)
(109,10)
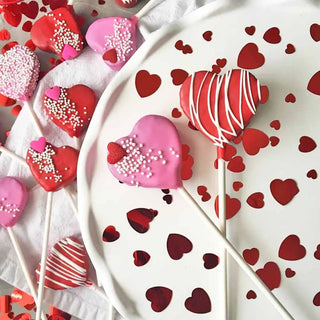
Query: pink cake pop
(19,71)
(67,265)
(59,32)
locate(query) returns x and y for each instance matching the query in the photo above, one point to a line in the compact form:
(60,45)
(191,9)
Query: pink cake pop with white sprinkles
(19,71)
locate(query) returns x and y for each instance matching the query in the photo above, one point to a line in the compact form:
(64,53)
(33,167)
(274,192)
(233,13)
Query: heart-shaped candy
(153,155)
(55,167)
(19,71)
(59,32)
(110,33)
(220,106)
(70,109)
(67,265)
(13,198)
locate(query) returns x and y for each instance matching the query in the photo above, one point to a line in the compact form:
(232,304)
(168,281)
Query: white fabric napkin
(90,70)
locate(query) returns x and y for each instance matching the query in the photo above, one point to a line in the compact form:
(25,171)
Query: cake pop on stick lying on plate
(58,31)
(13,199)
(150,157)
(220,106)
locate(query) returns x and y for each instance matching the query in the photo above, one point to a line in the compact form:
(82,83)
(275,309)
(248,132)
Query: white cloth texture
(90,70)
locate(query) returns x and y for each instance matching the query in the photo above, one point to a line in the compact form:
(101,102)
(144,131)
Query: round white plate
(104,202)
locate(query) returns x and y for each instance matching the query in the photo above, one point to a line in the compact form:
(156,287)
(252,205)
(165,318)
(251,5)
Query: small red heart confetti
(4,35)
(110,55)
(146,83)
(185,48)
(6,102)
(141,258)
(27,26)
(315,32)
(167,198)
(16,110)
(32,47)
(215,69)
(110,234)
(290,98)
(8,46)
(272,35)
(140,218)
(233,206)
(291,248)
(256,200)
(251,256)
(251,295)
(175,113)
(250,57)
(178,76)
(187,163)
(207,35)
(317,252)
(115,152)
(199,302)
(250,30)
(178,245)
(221,62)
(94,13)
(237,185)
(270,275)
(210,260)
(316,299)
(253,140)
(229,152)
(290,49)
(236,164)
(274,141)
(264,95)
(284,191)
(202,191)
(290,273)
(275,124)
(312,174)
(160,298)
(307,144)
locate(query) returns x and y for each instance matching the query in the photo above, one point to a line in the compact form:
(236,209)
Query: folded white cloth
(90,70)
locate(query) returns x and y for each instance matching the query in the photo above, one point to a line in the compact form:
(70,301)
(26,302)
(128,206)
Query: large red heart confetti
(251,256)
(59,32)
(140,218)
(12,14)
(256,200)
(178,245)
(67,265)
(272,35)
(217,105)
(314,84)
(110,234)
(315,32)
(236,164)
(210,260)
(284,191)
(160,298)
(291,248)
(233,206)
(70,109)
(178,76)
(146,83)
(307,144)
(253,140)
(54,167)
(270,275)
(199,302)
(30,9)
(250,57)
(316,300)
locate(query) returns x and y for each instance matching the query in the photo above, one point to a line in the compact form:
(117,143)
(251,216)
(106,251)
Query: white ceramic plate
(104,202)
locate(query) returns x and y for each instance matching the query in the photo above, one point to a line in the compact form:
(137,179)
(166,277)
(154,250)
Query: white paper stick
(146,8)
(111,312)
(12,155)
(222,220)
(237,257)
(44,253)
(34,118)
(24,268)
(77,144)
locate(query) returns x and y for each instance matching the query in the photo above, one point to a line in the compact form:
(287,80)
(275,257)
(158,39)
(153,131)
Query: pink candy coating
(153,155)
(13,198)
(19,71)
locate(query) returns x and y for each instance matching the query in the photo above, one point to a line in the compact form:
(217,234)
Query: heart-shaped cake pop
(19,71)
(152,156)
(59,32)
(114,38)
(13,198)
(220,106)
(70,109)
(67,265)
(54,167)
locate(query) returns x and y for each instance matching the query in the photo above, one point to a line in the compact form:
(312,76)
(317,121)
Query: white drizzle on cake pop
(121,40)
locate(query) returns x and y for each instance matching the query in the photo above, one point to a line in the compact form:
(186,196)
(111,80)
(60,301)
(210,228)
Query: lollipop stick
(44,254)
(111,312)
(237,257)
(24,268)
(34,118)
(12,155)
(76,143)
(146,8)
(222,220)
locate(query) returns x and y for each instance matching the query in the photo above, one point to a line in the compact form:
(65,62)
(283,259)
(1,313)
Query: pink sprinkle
(53,93)
(69,52)
(39,145)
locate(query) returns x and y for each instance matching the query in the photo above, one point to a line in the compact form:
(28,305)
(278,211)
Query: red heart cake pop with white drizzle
(13,198)
(150,156)
(59,32)
(70,109)
(19,71)
(52,167)
(67,265)
(220,106)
